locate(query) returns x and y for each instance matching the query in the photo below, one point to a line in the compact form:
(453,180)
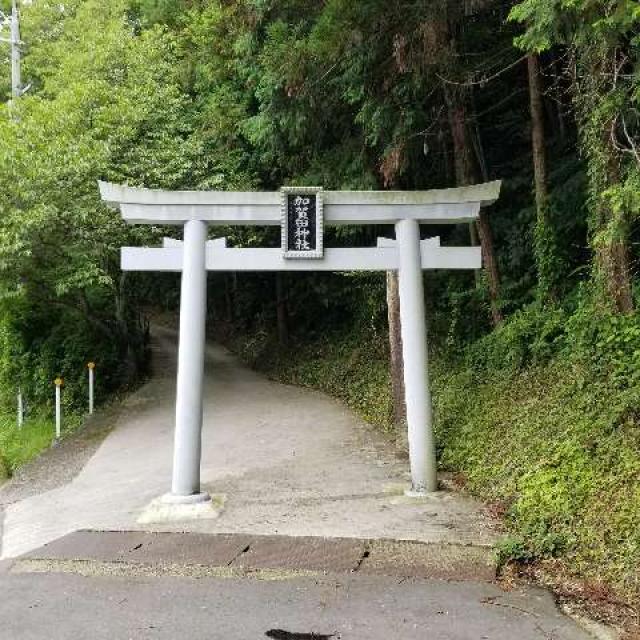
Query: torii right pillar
(422,450)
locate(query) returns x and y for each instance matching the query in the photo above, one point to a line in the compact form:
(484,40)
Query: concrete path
(286,461)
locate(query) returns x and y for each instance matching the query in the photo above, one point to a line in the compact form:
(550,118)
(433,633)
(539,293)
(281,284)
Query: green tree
(108,103)
(602,38)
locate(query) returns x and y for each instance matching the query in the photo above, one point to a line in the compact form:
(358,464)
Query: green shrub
(532,335)
(512,549)
(552,433)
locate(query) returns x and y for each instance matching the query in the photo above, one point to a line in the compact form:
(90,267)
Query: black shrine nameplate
(302,222)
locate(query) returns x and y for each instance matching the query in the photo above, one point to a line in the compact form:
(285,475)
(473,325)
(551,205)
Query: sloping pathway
(287,461)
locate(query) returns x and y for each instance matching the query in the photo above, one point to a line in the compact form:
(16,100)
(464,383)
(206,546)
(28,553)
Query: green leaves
(541,21)
(578,22)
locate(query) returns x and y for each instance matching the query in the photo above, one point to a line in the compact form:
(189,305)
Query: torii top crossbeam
(439,206)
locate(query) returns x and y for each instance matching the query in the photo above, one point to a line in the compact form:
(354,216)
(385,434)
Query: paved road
(285,460)
(67,606)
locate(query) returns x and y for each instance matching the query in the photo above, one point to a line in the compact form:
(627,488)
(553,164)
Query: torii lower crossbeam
(351,259)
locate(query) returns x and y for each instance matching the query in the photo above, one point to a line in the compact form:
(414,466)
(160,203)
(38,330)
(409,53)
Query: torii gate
(301,218)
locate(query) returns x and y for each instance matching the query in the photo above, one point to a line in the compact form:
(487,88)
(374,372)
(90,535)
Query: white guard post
(195,210)
(58,383)
(91,368)
(20,409)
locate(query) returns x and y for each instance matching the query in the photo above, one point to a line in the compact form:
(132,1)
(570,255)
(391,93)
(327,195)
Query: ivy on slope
(557,445)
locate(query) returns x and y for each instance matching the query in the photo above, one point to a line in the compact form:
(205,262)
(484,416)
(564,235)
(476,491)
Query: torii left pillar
(413,326)
(185,484)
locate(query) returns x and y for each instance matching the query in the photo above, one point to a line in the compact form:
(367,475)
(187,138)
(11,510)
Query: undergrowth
(559,451)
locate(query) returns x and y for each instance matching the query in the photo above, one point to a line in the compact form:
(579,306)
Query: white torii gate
(196,210)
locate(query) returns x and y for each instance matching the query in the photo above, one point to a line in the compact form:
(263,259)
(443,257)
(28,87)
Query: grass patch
(18,446)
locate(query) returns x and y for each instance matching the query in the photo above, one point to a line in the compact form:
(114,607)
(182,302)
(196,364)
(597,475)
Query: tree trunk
(613,262)
(621,280)
(612,253)
(282,310)
(537,135)
(544,236)
(467,173)
(464,158)
(465,169)
(396,361)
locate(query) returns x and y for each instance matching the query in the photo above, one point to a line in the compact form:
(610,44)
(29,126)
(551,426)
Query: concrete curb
(596,629)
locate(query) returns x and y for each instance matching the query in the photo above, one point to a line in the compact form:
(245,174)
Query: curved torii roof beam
(438,206)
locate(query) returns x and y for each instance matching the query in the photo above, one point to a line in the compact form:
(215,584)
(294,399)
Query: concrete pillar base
(170,509)
(412,493)
(194,498)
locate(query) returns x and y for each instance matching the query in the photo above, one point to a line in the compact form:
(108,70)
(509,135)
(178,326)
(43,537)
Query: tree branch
(484,81)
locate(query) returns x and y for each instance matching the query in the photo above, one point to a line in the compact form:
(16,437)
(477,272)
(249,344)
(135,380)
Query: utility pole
(13,21)
(16,80)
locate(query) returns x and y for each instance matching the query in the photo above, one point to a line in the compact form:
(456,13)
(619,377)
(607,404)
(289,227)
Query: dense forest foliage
(536,360)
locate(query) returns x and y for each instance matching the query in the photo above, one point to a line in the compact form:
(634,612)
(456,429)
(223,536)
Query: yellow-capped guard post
(91,367)
(58,382)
